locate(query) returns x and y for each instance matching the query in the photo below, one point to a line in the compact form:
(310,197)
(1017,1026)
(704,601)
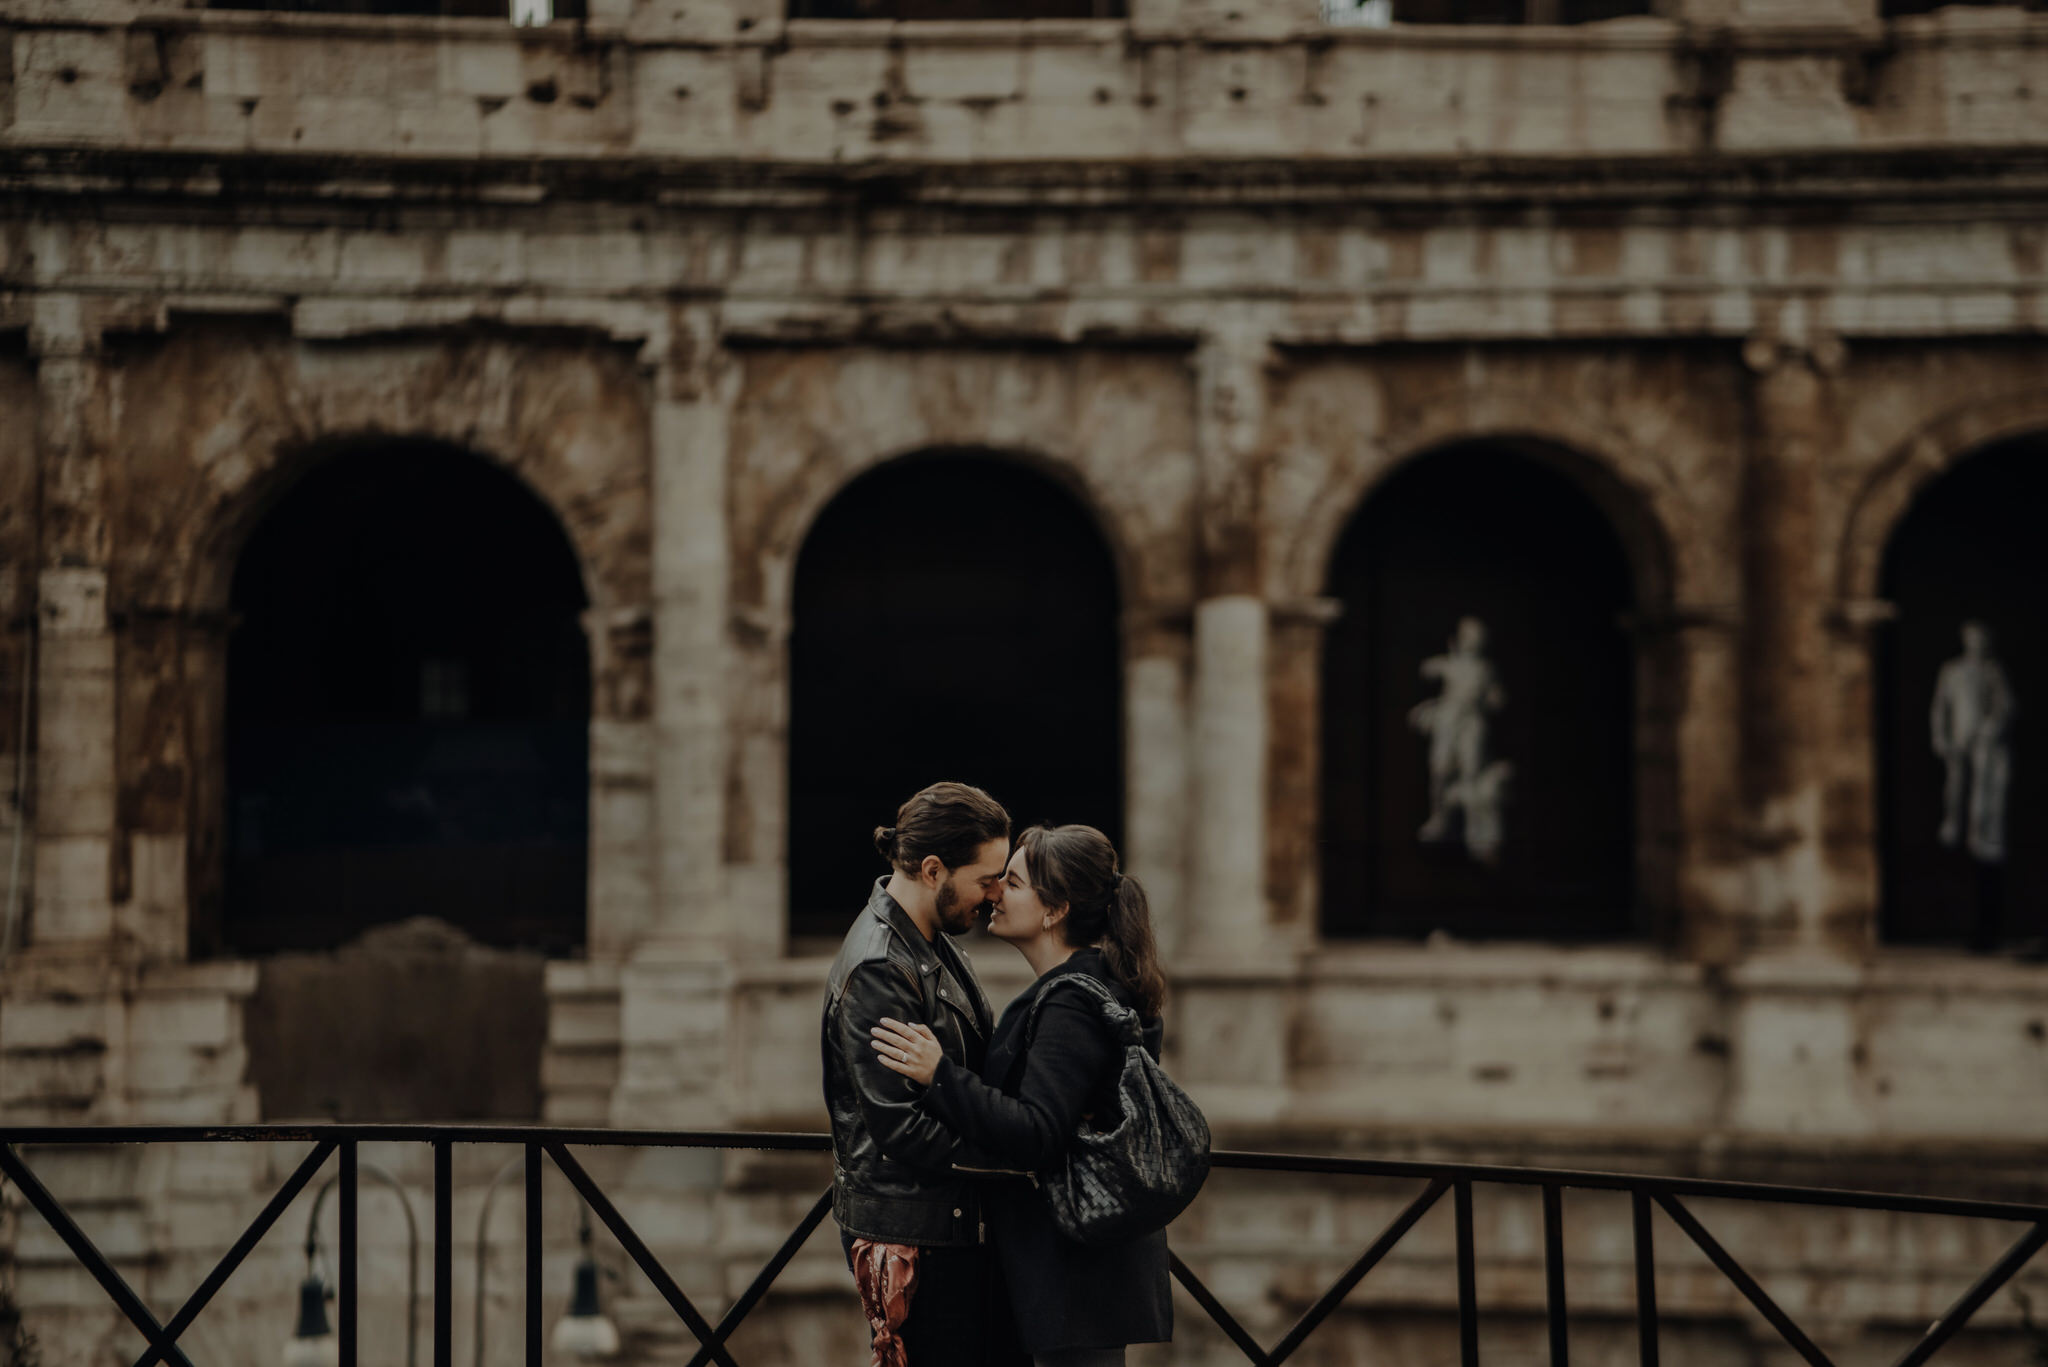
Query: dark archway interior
(408,710)
(1969,548)
(956,617)
(1503,535)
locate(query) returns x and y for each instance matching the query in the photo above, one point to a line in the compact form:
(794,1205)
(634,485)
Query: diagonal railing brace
(1973,1300)
(89,1257)
(637,1249)
(243,1246)
(765,1278)
(1367,1261)
(1744,1283)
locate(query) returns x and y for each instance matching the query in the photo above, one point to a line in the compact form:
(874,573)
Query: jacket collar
(890,913)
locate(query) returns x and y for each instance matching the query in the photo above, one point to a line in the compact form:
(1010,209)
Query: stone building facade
(1749,283)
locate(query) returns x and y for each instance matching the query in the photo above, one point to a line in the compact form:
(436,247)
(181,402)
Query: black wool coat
(1023,1111)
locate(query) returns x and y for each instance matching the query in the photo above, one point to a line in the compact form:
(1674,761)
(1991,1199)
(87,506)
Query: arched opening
(1957,824)
(408,706)
(1479,780)
(956,617)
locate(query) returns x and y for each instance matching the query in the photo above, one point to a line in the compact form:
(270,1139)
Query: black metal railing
(340,1142)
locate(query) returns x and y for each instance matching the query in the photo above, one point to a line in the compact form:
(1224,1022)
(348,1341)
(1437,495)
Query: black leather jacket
(894,1173)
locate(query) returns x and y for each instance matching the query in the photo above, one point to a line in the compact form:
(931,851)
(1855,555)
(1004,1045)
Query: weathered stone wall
(1753,274)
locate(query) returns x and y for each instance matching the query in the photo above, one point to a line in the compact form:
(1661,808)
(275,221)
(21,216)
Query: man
(910,1222)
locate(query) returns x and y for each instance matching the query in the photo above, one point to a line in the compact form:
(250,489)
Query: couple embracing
(944,1118)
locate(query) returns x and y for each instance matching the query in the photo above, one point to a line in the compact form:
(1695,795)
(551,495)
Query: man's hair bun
(950,820)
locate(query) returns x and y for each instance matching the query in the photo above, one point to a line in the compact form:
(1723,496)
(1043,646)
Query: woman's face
(1020,916)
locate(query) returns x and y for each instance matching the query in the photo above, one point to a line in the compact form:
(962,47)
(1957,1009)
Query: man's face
(970,890)
(1976,641)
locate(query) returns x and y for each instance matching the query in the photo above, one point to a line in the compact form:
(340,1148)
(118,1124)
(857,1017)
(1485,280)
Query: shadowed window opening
(956,617)
(1969,549)
(408,710)
(1502,537)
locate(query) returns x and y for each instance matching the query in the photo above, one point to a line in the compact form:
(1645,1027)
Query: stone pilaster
(1228,899)
(1229,727)
(1690,766)
(74,804)
(1157,654)
(674,993)
(1795,425)
(691,608)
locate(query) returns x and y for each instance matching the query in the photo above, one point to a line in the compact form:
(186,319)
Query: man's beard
(951,918)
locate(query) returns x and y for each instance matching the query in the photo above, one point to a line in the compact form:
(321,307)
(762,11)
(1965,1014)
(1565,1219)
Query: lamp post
(586,1331)
(313,1343)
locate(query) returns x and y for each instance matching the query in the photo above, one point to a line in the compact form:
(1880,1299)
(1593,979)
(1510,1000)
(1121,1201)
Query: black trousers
(959,1316)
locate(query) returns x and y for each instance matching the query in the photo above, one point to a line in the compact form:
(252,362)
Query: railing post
(1646,1279)
(533,1256)
(444,1255)
(345,1275)
(1553,1275)
(1468,1278)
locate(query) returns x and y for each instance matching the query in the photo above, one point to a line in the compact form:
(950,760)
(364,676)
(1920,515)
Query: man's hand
(911,1050)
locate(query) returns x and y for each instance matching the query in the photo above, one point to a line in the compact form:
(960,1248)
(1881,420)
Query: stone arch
(1551,578)
(217,424)
(1889,491)
(1081,420)
(880,661)
(408,722)
(792,527)
(1642,500)
(1964,550)
(1115,429)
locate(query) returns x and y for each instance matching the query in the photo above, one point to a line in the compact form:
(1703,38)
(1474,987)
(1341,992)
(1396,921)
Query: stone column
(1691,854)
(1227,905)
(1849,767)
(1229,733)
(1234,970)
(1786,698)
(74,803)
(674,989)
(1156,765)
(1294,812)
(690,619)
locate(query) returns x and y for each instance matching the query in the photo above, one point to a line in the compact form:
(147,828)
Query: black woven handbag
(1115,1185)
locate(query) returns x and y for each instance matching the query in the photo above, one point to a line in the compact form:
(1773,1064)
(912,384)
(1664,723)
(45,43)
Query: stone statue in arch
(1466,788)
(1972,724)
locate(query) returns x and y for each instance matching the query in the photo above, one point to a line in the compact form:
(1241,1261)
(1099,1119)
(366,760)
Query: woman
(1069,911)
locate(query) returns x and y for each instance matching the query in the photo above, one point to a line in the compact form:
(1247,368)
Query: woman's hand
(910,1050)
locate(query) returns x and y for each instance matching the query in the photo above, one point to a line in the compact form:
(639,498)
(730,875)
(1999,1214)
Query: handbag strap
(1122,1019)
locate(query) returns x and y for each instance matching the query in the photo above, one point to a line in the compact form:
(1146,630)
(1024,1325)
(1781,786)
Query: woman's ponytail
(1129,948)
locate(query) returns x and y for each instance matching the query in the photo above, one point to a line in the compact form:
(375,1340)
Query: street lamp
(312,1343)
(586,1331)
